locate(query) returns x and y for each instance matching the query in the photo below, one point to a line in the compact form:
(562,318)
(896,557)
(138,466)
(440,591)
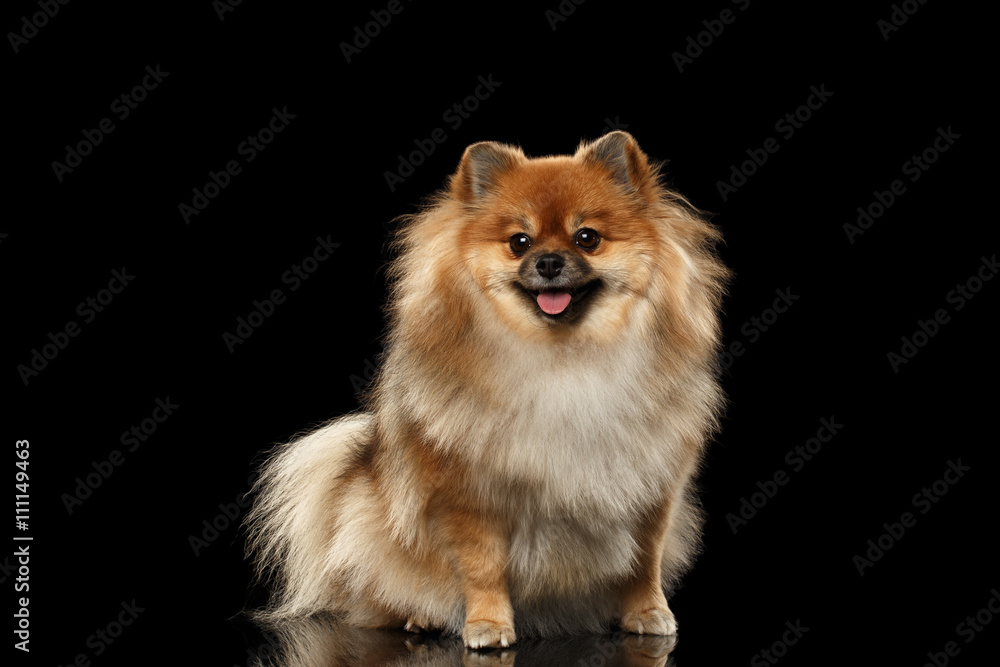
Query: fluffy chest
(584,438)
(569,554)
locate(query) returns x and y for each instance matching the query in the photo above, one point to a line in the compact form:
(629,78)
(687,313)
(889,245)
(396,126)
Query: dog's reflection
(321,642)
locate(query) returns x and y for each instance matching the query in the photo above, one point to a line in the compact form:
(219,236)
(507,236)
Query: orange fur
(515,469)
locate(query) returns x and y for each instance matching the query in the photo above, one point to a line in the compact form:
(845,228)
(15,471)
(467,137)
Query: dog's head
(563,244)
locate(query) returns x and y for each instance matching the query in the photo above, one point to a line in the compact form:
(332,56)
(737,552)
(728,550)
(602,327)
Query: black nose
(549,265)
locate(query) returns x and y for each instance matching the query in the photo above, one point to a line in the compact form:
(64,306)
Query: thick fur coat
(526,456)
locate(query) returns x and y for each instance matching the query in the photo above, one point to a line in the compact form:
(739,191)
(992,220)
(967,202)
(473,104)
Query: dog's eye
(587,238)
(520,242)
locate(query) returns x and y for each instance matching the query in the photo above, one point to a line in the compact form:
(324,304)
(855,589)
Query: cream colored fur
(572,441)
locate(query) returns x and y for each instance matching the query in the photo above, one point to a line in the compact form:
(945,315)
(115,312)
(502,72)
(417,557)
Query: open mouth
(562,302)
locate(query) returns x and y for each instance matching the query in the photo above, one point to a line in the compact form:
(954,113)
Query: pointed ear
(619,153)
(480,167)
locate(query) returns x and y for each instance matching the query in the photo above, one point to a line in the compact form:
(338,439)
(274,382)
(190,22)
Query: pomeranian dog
(526,456)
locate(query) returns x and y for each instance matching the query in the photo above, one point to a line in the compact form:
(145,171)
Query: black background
(605,65)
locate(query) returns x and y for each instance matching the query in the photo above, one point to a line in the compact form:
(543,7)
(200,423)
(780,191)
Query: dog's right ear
(480,167)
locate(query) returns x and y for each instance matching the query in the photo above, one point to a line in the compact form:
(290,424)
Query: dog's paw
(488,634)
(653,621)
(413,625)
(501,658)
(648,650)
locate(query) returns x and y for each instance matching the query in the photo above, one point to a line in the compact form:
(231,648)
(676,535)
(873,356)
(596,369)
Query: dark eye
(587,238)
(520,242)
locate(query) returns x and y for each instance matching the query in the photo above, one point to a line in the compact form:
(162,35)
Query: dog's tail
(292,522)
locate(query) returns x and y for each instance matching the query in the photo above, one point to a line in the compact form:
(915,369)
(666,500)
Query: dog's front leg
(479,544)
(644,605)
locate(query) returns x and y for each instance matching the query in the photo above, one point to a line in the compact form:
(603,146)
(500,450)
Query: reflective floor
(321,642)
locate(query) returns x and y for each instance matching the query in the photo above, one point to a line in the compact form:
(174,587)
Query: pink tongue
(553,303)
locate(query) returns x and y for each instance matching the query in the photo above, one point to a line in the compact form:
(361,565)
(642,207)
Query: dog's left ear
(619,153)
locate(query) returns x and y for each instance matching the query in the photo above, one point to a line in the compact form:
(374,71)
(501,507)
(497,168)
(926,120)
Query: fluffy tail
(294,516)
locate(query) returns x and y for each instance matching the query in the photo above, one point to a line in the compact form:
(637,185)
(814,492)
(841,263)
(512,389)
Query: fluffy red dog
(527,453)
